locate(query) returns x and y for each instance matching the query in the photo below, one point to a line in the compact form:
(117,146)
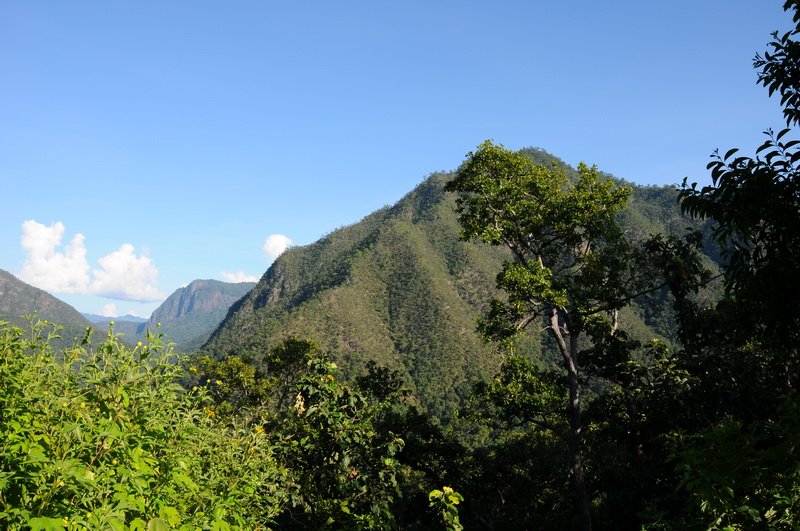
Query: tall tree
(573,269)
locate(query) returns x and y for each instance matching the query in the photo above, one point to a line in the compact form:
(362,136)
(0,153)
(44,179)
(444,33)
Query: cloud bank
(47,269)
(122,274)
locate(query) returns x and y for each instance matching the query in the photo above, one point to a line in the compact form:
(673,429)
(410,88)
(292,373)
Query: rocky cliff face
(202,296)
(196,309)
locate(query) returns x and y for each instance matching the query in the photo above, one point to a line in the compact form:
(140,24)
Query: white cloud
(239,276)
(127,277)
(48,269)
(122,274)
(275,244)
(109,310)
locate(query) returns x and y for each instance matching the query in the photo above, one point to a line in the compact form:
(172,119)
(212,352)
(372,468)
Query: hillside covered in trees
(18,299)
(401,289)
(188,316)
(516,345)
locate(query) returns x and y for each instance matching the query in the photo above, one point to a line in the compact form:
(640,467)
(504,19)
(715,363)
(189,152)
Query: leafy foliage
(264,385)
(755,204)
(572,266)
(445,502)
(345,471)
(780,69)
(744,477)
(734,445)
(521,394)
(101,437)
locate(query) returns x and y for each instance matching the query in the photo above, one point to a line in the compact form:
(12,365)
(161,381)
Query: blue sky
(147,144)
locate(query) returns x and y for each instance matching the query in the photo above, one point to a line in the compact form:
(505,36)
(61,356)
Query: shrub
(101,437)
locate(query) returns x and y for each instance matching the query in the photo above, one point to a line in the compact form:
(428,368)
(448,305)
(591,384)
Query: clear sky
(147,144)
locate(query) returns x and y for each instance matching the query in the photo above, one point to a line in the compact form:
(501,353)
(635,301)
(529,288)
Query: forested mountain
(397,287)
(197,308)
(187,316)
(400,288)
(95,318)
(697,430)
(18,298)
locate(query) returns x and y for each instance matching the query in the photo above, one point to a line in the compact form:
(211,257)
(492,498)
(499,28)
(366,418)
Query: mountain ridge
(186,316)
(18,299)
(399,287)
(97,318)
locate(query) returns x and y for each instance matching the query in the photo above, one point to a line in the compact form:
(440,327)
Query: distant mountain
(187,317)
(18,298)
(400,288)
(192,311)
(104,319)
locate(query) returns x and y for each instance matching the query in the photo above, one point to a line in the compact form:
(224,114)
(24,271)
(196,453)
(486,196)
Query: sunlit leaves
(569,250)
(445,503)
(105,440)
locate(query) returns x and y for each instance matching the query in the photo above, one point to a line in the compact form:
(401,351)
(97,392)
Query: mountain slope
(400,288)
(18,298)
(397,287)
(188,316)
(195,309)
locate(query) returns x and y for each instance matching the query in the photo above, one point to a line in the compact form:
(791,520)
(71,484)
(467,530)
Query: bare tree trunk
(570,355)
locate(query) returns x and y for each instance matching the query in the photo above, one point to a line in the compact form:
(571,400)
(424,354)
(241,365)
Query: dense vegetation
(100,436)
(618,416)
(402,289)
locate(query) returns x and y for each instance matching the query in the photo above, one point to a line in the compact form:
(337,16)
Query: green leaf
(157,524)
(43,523)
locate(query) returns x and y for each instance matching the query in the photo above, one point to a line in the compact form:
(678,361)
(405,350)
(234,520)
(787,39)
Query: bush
(101,437)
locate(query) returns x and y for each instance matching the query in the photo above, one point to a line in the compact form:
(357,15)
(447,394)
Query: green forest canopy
(698,436)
